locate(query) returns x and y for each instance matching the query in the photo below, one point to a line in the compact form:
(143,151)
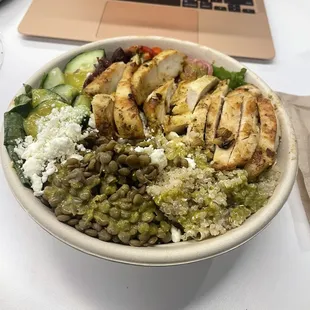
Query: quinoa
(206,202)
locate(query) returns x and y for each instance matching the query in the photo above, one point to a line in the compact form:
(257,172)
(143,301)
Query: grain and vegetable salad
(145,146)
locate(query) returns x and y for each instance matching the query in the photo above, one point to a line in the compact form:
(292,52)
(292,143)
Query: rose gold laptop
(236,27)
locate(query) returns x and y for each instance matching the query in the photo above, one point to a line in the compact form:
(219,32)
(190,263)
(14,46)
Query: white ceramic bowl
(170,254)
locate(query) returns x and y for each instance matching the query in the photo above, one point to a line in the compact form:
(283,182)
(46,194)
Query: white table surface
(270,272)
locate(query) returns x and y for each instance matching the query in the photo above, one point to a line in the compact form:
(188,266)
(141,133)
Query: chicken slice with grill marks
(126,113)
(214,114)
(107,81)
(103,110)
(163,67)
(157,105)
(196,129)
(264,155)
(247,139)
(256,92)
(227,131)
(189,93)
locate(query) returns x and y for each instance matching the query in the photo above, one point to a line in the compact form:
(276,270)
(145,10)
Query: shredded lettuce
(236,79)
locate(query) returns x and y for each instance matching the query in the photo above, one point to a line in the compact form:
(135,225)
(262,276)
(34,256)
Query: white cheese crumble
(148,150)
(58,134)
(191,163)
(158,157)
(175,234)
(91,121)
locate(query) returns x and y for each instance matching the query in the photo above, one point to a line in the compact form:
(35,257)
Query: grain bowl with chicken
(145,146)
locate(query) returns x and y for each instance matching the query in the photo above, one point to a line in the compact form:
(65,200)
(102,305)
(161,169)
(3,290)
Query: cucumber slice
(53,78)
(84,61)
(43,109)
(76,79)
(40,95)
(67,92)
(82,100)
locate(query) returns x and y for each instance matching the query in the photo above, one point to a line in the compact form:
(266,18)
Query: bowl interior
(178,253)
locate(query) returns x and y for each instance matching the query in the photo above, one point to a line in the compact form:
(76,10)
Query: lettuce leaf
(236,79)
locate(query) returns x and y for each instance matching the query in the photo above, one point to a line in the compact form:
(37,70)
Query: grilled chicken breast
(103,109)
(163,67)
(126,113)
(158,104)
(227,131)
(214,114)
(264,155)
(191,92)
(196,129)
(179,99)
(247,139)
(251,88)
(177,123)
(107,81)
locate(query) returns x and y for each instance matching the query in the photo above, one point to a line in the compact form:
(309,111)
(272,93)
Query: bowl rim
(162,255)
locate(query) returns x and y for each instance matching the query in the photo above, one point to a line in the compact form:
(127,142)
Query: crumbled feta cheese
(191,163)
(77,156)
(49,170)
(81,147)
(158,157)
(148,150)
(91,121)
(58,134)
(175,234)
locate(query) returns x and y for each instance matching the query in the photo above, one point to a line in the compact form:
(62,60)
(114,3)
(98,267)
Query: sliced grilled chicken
(107,81)
(126,113)
(264,155)
(247,139)
(179,98)
(214,114)
(163,67)
(199,88)
(177,123)
(252,89)
(157,104)
(196,129)
(103,108)
(192,92)
(228,130)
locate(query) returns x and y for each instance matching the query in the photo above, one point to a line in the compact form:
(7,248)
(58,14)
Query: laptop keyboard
(237,6)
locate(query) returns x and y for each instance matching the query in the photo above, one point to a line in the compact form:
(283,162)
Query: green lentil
(101,219)
(143,228)
(91,232)
(115,213)
(133,161)
(63,218)
(124,237)
(138,199)
(104,235)
(113,166)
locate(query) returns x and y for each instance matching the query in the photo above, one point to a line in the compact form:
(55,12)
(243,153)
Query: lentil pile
(104,195)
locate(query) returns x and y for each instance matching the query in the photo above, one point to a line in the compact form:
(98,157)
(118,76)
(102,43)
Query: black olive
(120,55)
